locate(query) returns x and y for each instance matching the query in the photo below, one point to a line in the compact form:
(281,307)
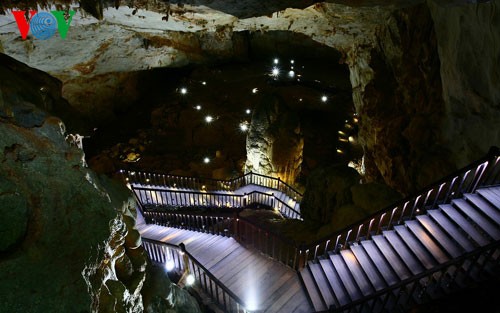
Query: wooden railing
(483,172)
(151,198)
(481,264)
(209,184)
(161,252)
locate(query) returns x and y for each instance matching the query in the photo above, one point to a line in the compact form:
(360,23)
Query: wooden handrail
(205,270)
(131,173)
(493,156)
(208,193)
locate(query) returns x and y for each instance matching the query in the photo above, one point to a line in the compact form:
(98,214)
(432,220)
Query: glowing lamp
(190,280)
(169,265)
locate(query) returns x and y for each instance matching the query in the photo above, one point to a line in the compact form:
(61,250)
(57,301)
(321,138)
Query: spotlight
(276,61)
(292,61)
(248,111)
(190,280)
(291,74)
(203,83)
(244,126)
(206,160)
(169,265)
(184,90)
(324,98)
(255,90)
(275,72)
(209,119)
(198,107)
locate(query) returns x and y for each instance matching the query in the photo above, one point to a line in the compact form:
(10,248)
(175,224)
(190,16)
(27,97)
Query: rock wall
(68,242)
(274,141)
(468,39)
(426,92)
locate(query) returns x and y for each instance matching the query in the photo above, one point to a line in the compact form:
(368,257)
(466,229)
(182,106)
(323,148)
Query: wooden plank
(221,257)
(368,267)
(274,289)
(452,229)
(285,298)
(232,261)
(465,224)
(335,282)
(479,219)
(312,289)
(440,237)
(282,295)
(389,254)
(294,303)
(357,272)
(425,240)
(346,277)
(479,201)
(402,250)
(322,284)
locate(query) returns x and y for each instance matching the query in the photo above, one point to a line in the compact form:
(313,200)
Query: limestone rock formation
(274,141)
(68,242)
(327,189)
(335,198)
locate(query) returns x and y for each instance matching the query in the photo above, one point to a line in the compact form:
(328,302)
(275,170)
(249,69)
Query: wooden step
(368,267)
(380,262)
(441,238)
(479,219)
(452,229)
(392,257)
(464,224)
(346,277)
(322,284)
(492,195)
(483,203)
(312,290)
(420,243)
(404,252)
(335,282)
(357,272)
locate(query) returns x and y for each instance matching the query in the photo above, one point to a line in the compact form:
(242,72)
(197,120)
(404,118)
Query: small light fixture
(244,126)
(198,107)
(190,280)
(183,90)
(292,61)
(169,265)
(209,119)
(255,90)
(276,61)
(291,74)
(324,98)
(275,72)
(206,160)
(248,111)
(203,83)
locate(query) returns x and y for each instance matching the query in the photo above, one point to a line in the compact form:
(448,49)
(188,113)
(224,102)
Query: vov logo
(43,25)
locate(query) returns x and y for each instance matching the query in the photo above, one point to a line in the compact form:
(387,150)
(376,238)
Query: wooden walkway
(265,285)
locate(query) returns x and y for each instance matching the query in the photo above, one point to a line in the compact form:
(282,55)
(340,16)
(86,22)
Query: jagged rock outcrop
(68,240)
(274,141)
(334,197)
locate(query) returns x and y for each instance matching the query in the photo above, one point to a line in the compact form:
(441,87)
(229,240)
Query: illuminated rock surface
(64,229)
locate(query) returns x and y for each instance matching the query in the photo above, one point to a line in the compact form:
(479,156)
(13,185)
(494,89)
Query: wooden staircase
(336,280)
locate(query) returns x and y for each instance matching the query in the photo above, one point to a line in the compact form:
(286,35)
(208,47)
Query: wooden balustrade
(162,253)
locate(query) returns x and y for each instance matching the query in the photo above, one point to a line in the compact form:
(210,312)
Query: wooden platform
(268,286)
